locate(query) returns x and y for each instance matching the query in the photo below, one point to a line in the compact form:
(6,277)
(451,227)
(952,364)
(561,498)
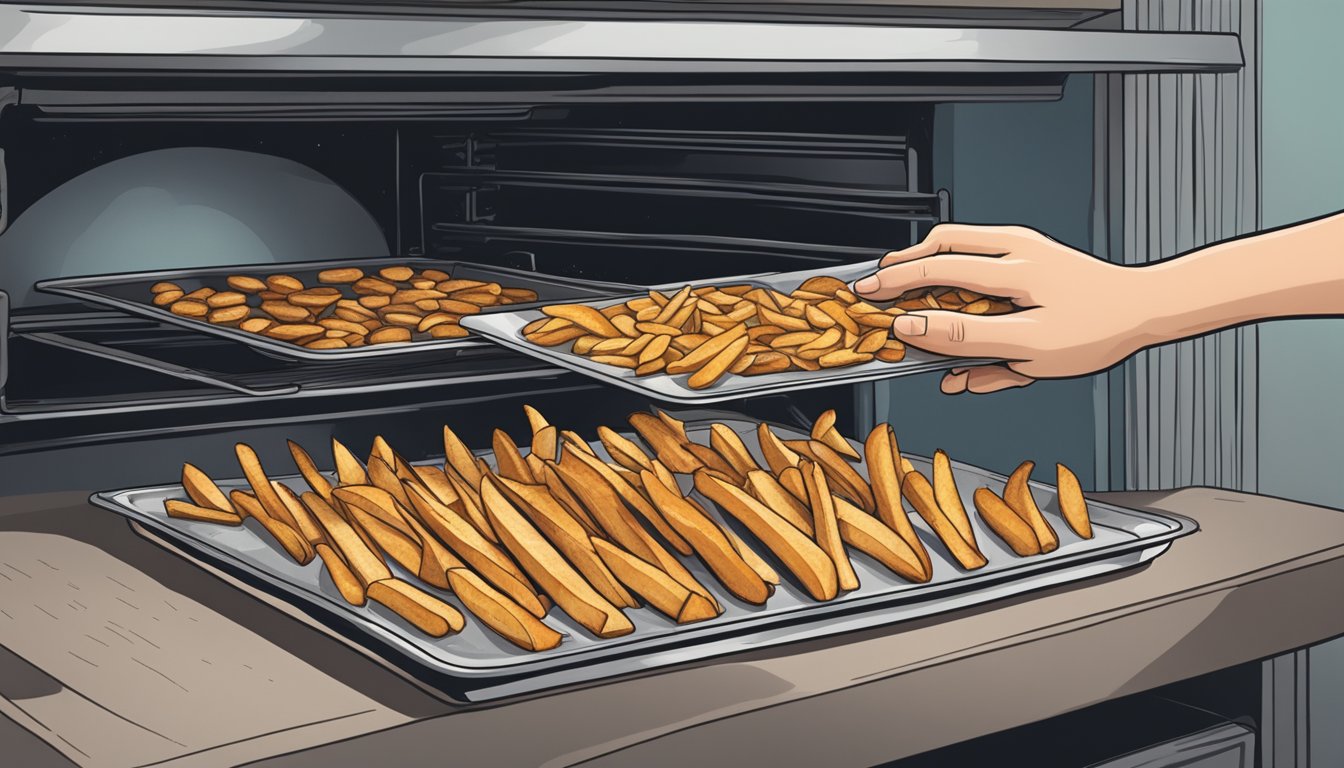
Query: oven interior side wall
(1028,164)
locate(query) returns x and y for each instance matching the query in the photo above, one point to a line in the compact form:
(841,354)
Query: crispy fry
(184,511)
(623,450)
(701,355)
(846,480)
(203,491)
(1072,505)
(491,562)
(311,475)
(584,317)
(510,461)
(561,493)
(823,430)
(804,559)
(730,446)
(635,500)
(405,548)
(1017,493)
(544,564)
(569,538)
(883,458)
(535,420)
(773,495)
(949,498)
(349,470)
(791,479)
(825,529)
(304,522)
(867,534)
(778,456)
(426,612)
(269,500)
(341,575)
(665,442)
(662,591)
(708,541)
(1005,523)
(460,458)
(383,476)
(500,613)
(917,489)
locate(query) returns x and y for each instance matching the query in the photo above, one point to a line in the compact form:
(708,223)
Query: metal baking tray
(506,328)
(476,665)
(129,292)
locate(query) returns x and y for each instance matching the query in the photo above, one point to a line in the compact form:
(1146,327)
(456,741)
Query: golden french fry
(777,455)
(381,475)
(304,522)
(436,482)
(702,354)
(773,495)
(569,538)
(535,420)
(552,573)
(349,470)
(1071,502)
(315,479)
(203,491)
(673,305)
(882,455)
(500,613)
(730,446)
(917,489)
(624,450)
(825,529)
(635,500)
(949,498)
(791,479)
(1005,523)
(405,548)
(270,501)
(561,493)
(491,562)
(364,562)
(341,575)
(426,612)
(460,458)
(666,444)
(804,559)
(708,541)
(843,477)
(510,461)
(1018,495)
(720,364)
(584,317)
(184,511)
(375,501)
(867,534)
(824,431)
(435,559)
(662,591)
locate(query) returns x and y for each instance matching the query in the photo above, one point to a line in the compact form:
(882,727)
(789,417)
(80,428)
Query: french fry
(381,475)
(545,443)
(791,479)
(304,522)
(426,612)
(510,461)
(185,511)
(730,446)
(435,559)
(311,475)
(543,563)
(665,442)
(662,591)
(917,489)
(436,482)
(624,450)
(1071,502)
(364,561)
(823,430)
(882,455)
(867,534)
(777,455)
(717,366)
(471,506)
(203,491)
(825,529)
(635,500)
(1005,523)
(341,575)
(289,539)
(460,458)
(561,493)
(269,500)
(535,419)
(376,502)
(804,559)
(1018,495)
(708,541)
(491,562)
(349,470)
(405,548)
(774,496)
(710,459)
(584,317)
(949,498)
(703,354)
(501,614)
(846,480)
(569,538)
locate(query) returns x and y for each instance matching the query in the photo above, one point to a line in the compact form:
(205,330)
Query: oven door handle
(149,363)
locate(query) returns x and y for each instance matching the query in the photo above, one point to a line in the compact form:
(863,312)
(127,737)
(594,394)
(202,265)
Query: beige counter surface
(115,652)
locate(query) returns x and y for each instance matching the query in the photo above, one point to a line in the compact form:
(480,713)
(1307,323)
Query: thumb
(957,334)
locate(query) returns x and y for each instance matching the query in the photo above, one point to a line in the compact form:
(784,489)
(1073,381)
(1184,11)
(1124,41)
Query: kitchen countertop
(209,676)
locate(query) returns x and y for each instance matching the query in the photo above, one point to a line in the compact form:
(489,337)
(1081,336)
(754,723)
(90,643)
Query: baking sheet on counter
(506,328)
(129,292)
(476,665)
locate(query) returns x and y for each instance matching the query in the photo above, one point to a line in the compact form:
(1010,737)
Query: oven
(646,145)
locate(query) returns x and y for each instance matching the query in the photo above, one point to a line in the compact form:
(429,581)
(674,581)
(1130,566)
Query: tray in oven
(506,328)
(130,292)
(476,665)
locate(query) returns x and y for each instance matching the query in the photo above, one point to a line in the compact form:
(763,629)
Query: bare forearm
(1293,272)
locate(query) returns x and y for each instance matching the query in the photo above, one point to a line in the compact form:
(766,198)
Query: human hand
(1077,313)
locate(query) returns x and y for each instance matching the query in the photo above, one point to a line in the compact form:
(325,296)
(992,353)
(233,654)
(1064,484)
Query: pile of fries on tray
(347,309)
(562,526)
(711,331)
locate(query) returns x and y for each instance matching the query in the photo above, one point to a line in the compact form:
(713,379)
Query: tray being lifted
(129,292)
(506,328)
(476,665)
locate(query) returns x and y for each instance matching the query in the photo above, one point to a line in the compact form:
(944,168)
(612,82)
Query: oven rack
(234,368)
